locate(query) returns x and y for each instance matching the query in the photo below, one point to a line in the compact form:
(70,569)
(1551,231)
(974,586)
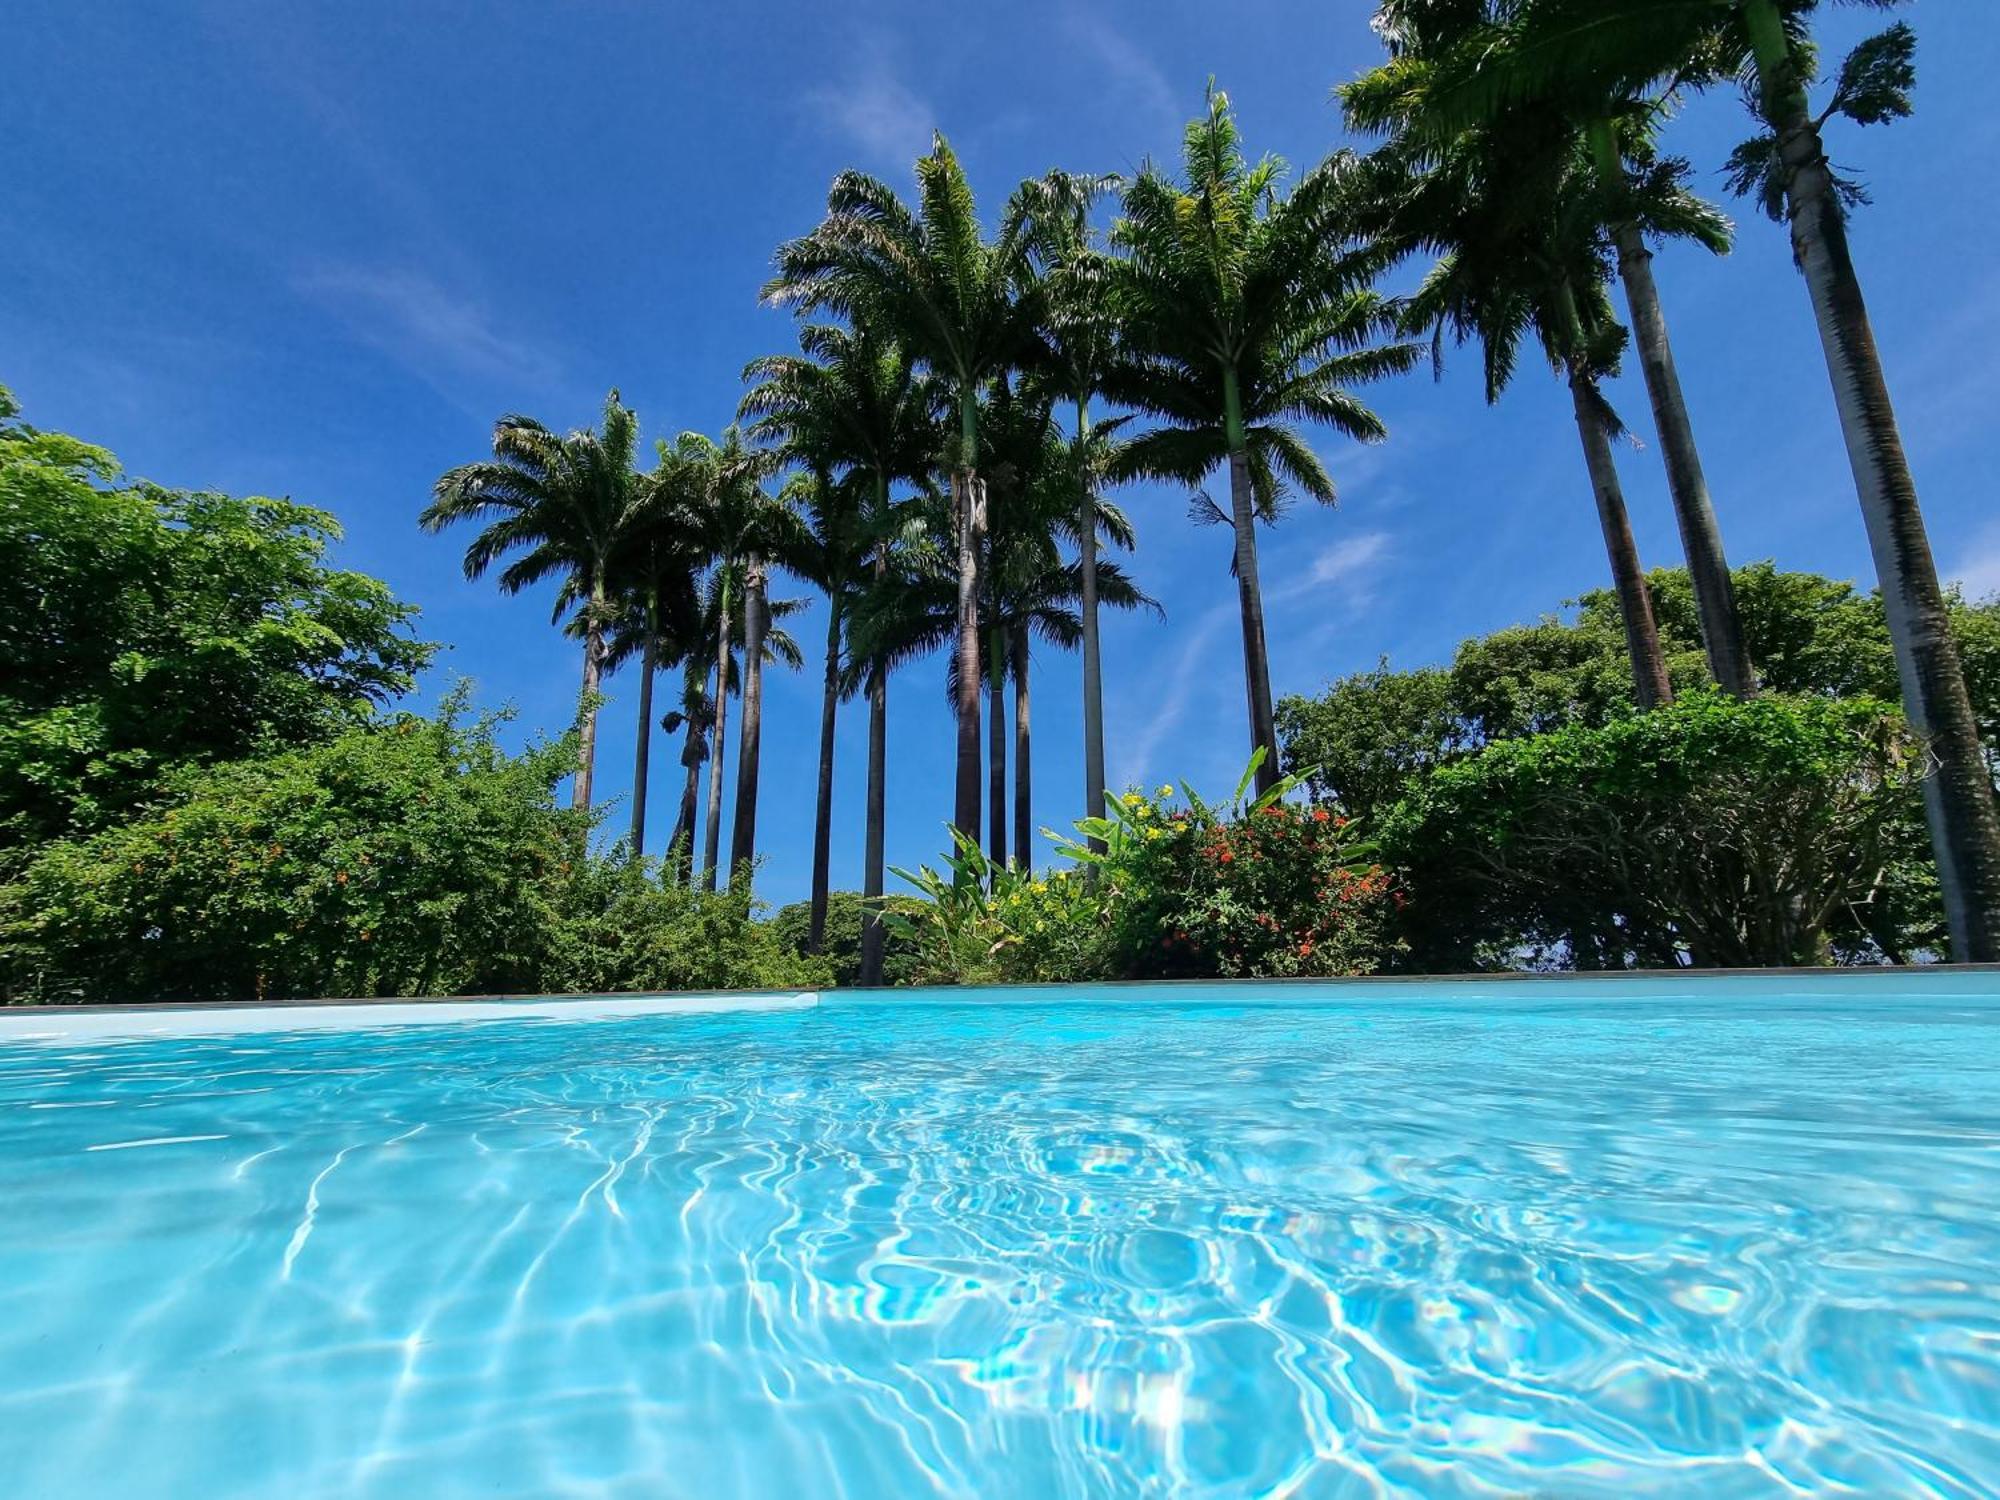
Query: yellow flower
(1165,792)
(1041,887)
(1152,833)
(1133,799)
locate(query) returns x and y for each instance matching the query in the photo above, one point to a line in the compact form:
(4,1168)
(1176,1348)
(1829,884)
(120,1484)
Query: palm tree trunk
(872,932)
(1250,599)
(1701,534)
(829,707)
(996,747)
(685,829)
(719,737)
(593,666)
(1024,781)
(743,836)
(642,763)
(1093,666)
(1958,795)
(968,497)
(1635,603)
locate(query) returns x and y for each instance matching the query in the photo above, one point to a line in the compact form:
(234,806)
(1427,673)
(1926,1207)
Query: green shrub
(1774,831)
(414,857)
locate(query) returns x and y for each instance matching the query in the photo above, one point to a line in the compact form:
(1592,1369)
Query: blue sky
(314,249)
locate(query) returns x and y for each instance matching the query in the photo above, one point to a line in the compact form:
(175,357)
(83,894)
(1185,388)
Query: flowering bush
(1179,889)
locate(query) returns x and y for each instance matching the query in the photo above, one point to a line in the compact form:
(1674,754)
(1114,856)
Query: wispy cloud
(1127,67)
(1978,570)
(875,109)
(441,335)
(1344,573)
(1140,740)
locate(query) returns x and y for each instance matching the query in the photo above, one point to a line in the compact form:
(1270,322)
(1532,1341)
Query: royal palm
(933,281)
(558,505)
(1246,311)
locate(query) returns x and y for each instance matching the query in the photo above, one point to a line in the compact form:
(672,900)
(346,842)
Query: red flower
(1225,856)
(1321,815)
(1306,949)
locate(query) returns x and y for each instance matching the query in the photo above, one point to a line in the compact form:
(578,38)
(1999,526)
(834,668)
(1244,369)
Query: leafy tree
(143,629)
(560,506)
(1246,311)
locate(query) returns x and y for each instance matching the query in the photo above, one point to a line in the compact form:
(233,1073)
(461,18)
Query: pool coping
(232,1017)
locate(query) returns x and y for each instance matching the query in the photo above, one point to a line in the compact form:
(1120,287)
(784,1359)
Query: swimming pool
(1726,1237)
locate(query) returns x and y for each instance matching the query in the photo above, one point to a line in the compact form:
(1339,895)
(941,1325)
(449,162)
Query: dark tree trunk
(829,707)
(643,760)
(1701,533)
(743,836)
(1250,599)
(719,737)
(1635,602)
(685,830)
(1024,778)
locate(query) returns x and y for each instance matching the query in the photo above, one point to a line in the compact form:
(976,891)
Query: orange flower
(1226,856)
(1321,815)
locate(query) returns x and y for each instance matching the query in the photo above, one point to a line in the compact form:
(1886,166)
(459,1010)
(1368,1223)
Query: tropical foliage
(205,784)
(1163,887)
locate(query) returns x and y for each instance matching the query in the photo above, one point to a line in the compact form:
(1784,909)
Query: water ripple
(1067,1250)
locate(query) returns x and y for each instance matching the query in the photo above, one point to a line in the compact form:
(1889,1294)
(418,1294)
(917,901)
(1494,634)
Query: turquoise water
(1710,1239)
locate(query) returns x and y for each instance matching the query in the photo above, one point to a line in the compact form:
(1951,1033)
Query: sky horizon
(316,251)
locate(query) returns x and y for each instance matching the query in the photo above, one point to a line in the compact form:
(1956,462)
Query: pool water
(1715,1238)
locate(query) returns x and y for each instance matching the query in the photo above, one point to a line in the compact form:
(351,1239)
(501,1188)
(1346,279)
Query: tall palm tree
(957,300)
(1561,45)
(654,582)
(1080,345)
(1245,311)
(733,521)
(1518,257)
(1033,511)
(1426,93)
(559,505)
(849,401)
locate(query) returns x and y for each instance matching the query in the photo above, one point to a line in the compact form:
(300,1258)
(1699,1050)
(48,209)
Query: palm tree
(654,582)
(1079,338)
(933,282)
(562,505)
(1245,311)
(1424,94)
(1561,46)
(731,520)
(1507,215)
(849,401)
(1032,509)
